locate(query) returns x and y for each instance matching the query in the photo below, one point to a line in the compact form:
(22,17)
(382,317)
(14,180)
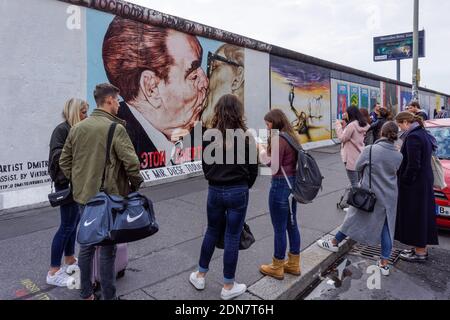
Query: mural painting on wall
(342,102)
(425,100)
(374,98)
(169,82)
(391,98)
(405,99)
(302,91)
(364,98)
(438,105)
(354,96)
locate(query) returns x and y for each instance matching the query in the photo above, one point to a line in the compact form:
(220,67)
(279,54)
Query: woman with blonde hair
(282,159)
(75,110)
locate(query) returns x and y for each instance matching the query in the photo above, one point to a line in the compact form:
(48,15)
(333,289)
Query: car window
(442,136)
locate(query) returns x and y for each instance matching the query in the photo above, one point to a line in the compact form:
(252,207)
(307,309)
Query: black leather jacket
(57,141)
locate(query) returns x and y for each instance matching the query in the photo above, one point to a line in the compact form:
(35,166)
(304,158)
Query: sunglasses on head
(213,56)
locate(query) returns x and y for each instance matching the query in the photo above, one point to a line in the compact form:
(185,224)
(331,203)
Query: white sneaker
(198,283)
(237,290)
(65,266)
(59,279)
(327,245)
(384,269)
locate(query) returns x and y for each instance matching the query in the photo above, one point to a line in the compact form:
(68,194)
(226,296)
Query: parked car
(440,129)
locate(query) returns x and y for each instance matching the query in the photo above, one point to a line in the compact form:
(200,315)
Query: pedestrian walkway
(159,266)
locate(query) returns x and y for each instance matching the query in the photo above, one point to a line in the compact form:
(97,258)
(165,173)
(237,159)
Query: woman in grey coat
(367,227)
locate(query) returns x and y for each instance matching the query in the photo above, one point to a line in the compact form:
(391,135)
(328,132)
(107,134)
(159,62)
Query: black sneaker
(412,256)
(410,251)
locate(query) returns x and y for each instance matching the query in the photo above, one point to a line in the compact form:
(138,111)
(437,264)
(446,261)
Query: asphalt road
(159,266)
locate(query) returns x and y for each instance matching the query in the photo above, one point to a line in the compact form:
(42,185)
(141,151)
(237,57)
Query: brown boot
(292,266)
(275,269)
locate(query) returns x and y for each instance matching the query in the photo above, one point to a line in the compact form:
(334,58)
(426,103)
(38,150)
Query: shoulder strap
(112,128)
(370,168)
(295,146)
(292,143)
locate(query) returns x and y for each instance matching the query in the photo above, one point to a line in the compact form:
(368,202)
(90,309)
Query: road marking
(31,291)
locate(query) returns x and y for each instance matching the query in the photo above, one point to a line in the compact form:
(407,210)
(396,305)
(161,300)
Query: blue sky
(339,31)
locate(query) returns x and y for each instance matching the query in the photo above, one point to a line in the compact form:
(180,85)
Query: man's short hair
(415,104)
(131,47)
(104,90)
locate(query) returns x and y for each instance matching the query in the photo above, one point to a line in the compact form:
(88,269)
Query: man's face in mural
(175,104)
(225,78)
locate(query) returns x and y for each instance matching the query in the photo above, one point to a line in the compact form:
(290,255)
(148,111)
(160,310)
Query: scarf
(414,126)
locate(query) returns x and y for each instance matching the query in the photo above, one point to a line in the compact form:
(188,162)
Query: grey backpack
(308,179)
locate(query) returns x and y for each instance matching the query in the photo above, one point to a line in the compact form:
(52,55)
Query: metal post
(398,70)
(415,84)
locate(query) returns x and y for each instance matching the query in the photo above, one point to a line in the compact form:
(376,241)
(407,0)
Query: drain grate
(374,252)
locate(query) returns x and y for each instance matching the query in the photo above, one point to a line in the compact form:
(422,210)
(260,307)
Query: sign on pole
(397,46)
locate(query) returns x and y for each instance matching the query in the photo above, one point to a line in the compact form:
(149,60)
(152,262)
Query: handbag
(112,219)
(438,173)
(60,198)
(247,238)
(135,221)
(361,198)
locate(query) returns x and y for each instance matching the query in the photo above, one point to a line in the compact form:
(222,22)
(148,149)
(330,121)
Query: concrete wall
(43,63)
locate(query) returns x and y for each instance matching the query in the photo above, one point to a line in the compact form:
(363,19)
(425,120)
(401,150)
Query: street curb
(314,261)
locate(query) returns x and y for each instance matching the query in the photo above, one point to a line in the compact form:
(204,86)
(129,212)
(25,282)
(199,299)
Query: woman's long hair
(410,118)
(366,115)
(72,109)
(280,122)
(229,114)
(355,115)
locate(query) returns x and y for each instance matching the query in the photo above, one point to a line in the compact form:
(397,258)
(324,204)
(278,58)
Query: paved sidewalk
(159,266)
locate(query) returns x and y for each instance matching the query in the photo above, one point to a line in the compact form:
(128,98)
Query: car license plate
(443,211)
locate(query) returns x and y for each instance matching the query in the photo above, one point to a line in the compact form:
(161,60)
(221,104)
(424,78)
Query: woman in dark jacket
(75,110)
(375,128)
(416,219)
(231,172)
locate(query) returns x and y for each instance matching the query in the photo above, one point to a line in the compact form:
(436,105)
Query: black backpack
(308,179)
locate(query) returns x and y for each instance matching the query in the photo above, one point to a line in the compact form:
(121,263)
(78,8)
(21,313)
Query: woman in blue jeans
(282,159)
(378,226)
(231,172)
(75,110)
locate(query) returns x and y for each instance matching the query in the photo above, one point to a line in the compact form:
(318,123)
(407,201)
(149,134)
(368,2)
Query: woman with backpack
(351,132)
(228,192)
(282,159)
(75,110)
(371,228)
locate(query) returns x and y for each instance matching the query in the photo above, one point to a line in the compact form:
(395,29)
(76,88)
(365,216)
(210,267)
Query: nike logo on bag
(130,219)
(87,224)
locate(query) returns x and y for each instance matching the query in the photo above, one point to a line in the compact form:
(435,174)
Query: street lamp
(416,78)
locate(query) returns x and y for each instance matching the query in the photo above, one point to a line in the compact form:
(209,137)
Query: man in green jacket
(82,162)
